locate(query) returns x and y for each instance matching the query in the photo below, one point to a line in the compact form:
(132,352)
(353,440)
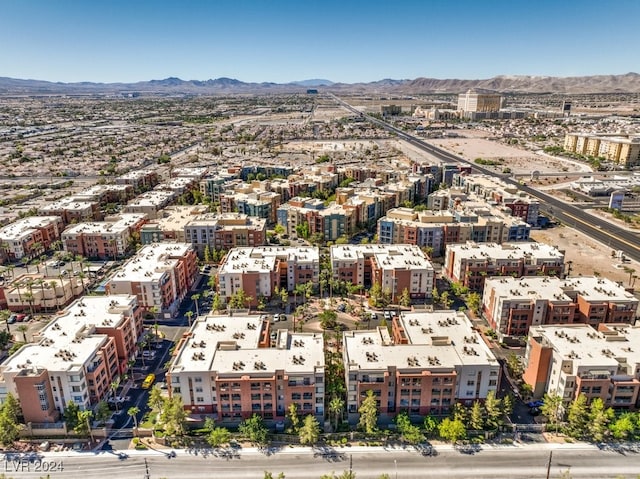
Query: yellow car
(148,381)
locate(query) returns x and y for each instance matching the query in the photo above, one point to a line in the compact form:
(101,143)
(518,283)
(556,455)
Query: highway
(505,462)
(609,234)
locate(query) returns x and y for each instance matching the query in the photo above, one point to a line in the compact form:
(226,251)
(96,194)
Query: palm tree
(195,298)
(4,315)
(336,406)
(133,412)
(114,387)
(23,328)
(189,315)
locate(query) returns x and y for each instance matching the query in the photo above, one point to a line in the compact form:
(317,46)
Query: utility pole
(549,464)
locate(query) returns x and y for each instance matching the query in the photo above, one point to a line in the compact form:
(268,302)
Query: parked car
(276,318)
(20,317)
(11,319)
(342,307)
(535,404)
(374,316)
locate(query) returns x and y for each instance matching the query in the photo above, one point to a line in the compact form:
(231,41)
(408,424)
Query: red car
(20,317)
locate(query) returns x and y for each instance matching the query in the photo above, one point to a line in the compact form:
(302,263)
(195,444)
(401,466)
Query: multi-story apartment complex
(622,150)
(577,359)
(160,275)
(259,270)
(394,267)
(471,263)
(139,179)
(170,223)
(430,361)
(513,305)
(72,210)
(231,367)
(108,239)
(107,193)
(150,203)
(261,204)
(39,292)
(437,229)
(494,190)
(331,222)
(29,236)
(75,358)
(225,231)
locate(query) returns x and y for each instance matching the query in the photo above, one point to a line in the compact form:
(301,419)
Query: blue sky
(286,40)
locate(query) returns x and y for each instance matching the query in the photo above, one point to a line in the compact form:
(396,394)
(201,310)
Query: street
(580,461)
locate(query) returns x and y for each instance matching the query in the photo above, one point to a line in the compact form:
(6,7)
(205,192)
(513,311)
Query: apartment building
(494,190)
(435,229)
(331,222)
(471,263)
(40,292)
(75,358)
(170,223)
(430,361)
(72,210)
(150,203)
(108,239)
(394,267)
(569,360)
(513,305)
(160,275)
(107,193)
(30,236)
(233,367)
(259,270)
(225,231)
(212,187)
(262,204)
(619,149)
(140,179)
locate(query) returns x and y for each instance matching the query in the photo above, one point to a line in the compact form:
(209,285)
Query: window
(199,399)
(197,380)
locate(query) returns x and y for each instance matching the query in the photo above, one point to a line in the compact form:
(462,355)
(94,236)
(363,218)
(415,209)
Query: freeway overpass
(609,234)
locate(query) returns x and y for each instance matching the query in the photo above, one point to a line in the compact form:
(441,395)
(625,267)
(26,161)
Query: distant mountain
(627,83)
(313,82)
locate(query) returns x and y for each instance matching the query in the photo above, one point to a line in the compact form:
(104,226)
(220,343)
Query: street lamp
(395,465)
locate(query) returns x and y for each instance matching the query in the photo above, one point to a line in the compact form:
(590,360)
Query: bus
(148,381)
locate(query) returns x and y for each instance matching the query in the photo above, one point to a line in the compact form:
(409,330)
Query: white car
(276,318)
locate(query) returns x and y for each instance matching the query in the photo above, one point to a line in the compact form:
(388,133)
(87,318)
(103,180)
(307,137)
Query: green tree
(375,295)
(405,298)
(410,432)
(292,415)
(155,400)
(474,300)
(253,428)
(622,427)
(103,413)
(368,413)
(452,430)
(239,300)
(552,409)
(216,303)
(9,424)
(83,426)
(435,295)
(70,415)
(173,417)
(476,421)
(507,406)
(493,410)
(430,425)
(218,436)
(599,419)
(23,328)
(445,301)
(269,475)
(196,300)
(577,416)
(309,432)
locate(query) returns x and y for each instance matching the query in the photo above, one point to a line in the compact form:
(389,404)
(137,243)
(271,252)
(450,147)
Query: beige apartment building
(258,271)
(160,275)
(394,267)
(170,223)
(30,236)
(40,292)
(430,361)
(570,360)
(225,231)
(72,210)
(74,358)
(108,239)
(513,305)
(622,150)
(150,203)
(232,367)
(479,102)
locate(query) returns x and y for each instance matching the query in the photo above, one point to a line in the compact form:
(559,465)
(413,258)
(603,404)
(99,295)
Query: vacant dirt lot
(588,256)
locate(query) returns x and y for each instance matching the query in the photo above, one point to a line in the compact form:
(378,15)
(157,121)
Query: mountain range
(627,83)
